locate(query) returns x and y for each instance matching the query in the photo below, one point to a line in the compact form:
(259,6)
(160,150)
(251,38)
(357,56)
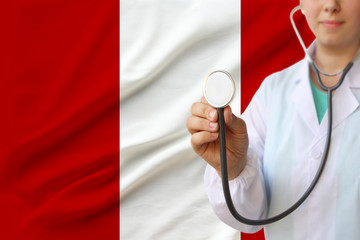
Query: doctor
(275,149)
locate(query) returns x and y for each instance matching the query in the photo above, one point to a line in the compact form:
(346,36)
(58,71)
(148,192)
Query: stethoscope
(219,89)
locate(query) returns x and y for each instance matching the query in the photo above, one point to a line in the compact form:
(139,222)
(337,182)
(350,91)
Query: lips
(331,24)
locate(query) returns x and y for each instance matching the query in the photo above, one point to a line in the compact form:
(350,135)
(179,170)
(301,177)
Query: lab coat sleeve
(247,190)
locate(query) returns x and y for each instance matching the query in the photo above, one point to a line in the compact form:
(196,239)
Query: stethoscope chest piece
(219,89)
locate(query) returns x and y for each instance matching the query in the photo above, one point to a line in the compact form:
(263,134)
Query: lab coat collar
(354,73)
(344,101)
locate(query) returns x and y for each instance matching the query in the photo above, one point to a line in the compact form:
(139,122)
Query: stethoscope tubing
(223,158)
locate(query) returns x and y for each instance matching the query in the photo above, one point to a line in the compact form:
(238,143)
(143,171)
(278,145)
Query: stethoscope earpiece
(219,89)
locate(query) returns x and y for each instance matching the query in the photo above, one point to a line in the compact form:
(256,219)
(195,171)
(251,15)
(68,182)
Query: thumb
(233,123)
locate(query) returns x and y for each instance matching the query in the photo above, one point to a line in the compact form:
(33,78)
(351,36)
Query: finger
(200,138)
(232,122)
(228,115)
(203,110)
(203,100)
(195,124)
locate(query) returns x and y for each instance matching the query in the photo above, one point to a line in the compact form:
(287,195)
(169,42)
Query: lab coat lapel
(303,100)
(344,101)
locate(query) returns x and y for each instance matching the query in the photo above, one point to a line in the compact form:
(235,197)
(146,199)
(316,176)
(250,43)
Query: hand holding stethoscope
(204,127)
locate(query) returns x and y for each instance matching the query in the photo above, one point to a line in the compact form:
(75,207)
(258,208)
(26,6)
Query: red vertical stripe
(268,44)
(59,145)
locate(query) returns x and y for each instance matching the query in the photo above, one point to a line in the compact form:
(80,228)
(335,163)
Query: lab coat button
(316,154)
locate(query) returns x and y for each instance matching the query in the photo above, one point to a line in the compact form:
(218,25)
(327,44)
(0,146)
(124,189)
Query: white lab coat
(286,145)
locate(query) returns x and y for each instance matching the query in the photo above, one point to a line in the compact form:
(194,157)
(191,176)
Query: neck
(334,60)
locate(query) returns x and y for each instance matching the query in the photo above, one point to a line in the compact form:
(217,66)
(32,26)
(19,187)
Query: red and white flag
(59,145)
